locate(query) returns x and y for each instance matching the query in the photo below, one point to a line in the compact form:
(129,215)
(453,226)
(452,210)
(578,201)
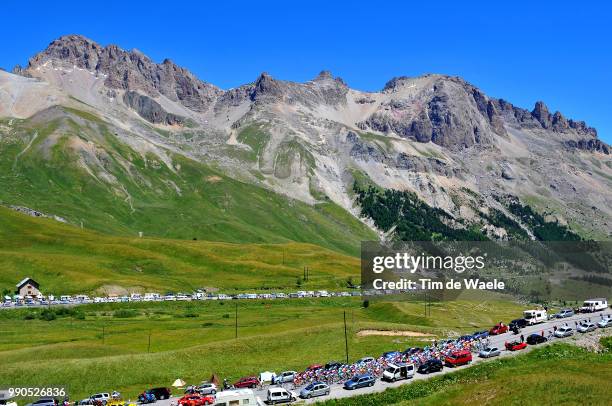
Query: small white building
(28,287)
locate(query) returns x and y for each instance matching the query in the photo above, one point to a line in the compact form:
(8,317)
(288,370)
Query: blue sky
(521,51)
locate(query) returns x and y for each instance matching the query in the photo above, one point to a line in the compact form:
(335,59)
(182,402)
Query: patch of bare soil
(214,179)
(392,333)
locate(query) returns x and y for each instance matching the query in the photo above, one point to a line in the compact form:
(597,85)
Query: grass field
(106,347)
(72,164)
(559,374)
(66,259)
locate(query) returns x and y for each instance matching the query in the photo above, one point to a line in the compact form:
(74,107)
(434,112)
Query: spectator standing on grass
(522,338)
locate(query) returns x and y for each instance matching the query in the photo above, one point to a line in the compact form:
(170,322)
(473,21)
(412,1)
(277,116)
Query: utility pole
(236,320)
(346,339)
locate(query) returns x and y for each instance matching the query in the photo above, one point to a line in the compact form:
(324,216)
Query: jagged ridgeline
(108,138)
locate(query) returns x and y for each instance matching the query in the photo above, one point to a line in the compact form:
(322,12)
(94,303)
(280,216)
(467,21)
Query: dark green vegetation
(556,374)
(104,347)
(543,230)
(65,260)
(72,164)
(413,219)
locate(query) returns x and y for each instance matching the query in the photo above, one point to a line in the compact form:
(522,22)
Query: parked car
(565,313)
(391,354)
(161,393)
(564,331)
(518,323)
(285,377)
(196,400)
(412,350)
(499,328)
(207,388)
(278,394)
(480,334)
(315,389)
(333,365)
(395,372)
(43,402)
(365,360)
(457,358)
(585,327)
(603,323)
(314,367)
(516,345)
(359,381)
(489,352)
(146,397)
(247,382)
(534,339)
(429,366)
(101,397)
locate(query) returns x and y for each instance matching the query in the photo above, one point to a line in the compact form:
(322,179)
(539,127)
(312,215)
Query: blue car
(391,354)
(359,381)
(480,334)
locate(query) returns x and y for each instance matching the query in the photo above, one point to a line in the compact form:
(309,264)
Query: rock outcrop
(129,70)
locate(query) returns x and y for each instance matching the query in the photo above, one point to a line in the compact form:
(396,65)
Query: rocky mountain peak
(127,70)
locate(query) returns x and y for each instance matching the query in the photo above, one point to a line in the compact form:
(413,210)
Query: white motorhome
(152,297)
(535,316)
(237,397)
(594,305)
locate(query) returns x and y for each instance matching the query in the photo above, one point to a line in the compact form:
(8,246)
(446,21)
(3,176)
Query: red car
(196,400)
(499,328)
(314,367)
(515,346)
(248,382)
(457,358)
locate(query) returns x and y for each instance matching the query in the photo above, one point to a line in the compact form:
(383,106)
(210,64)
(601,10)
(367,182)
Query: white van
(395,372)
(278,394)
(594,305)
(237,397)
(535,316)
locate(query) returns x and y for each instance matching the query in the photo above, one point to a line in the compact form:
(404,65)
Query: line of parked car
(51,300)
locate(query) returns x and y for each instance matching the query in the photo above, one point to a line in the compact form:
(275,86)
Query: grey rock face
(425,165)
(591,145)
(130,70)
(455,115)
(150,110)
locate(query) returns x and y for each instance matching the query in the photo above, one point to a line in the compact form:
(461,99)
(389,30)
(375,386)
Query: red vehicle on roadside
(515,345)
(462,357)
(314,367)
(196,400)
(499,328)
(248,382)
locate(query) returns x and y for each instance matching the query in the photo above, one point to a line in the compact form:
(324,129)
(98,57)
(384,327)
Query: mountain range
(107,139)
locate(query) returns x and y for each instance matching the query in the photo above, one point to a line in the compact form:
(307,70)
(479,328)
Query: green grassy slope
(66,259)
(194,340)
(70,163)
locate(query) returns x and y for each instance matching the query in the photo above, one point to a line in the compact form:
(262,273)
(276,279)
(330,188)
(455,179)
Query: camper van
(535,316)
(594,305)
(395,372)
(237,397)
